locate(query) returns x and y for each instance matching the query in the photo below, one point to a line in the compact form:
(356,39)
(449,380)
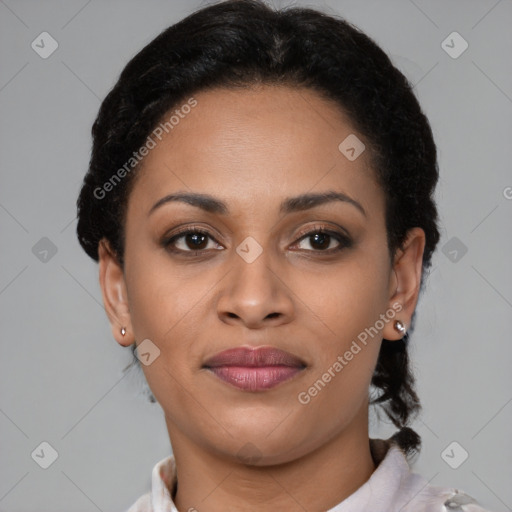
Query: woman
(260,202)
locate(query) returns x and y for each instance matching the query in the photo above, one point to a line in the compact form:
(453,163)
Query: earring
(123,331)
(399,326)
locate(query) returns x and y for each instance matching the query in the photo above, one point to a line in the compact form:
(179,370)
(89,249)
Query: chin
(262,443)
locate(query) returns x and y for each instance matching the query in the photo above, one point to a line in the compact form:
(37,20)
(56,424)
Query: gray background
(61,376)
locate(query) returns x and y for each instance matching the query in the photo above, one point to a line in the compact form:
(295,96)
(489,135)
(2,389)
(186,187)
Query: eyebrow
(292,204)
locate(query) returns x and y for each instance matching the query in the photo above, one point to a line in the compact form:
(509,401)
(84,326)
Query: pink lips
(254,369)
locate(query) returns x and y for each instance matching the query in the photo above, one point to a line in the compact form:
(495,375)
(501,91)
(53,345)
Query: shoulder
(406,491)
(143,504)
(443,499)
(163,478)
(420,496)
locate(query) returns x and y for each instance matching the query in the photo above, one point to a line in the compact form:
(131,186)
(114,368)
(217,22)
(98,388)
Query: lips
(254,369)
(253,358)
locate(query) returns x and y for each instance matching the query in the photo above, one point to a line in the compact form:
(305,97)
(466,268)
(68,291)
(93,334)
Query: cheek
(345,306)
(167,306)
(345,300)
(161,296)
(337,396)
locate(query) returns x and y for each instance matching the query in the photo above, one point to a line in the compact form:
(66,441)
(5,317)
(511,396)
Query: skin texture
(252,148)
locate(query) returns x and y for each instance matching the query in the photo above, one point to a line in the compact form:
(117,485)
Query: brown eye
(322,240)
(190,240)
(195,241)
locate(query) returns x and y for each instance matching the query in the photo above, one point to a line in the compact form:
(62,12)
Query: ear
(115,297)
(405,281)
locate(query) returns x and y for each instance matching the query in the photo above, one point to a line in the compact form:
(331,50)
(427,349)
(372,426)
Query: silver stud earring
(123,331)
(399,326)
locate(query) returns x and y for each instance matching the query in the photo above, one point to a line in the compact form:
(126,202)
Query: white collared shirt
(391,488)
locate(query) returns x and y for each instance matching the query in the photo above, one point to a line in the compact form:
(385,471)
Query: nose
(255,295)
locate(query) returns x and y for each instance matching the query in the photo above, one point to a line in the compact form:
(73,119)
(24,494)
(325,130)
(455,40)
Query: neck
(316,481)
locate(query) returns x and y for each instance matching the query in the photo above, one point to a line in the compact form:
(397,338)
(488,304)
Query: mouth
(254,369)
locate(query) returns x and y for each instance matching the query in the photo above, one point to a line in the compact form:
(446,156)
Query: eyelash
(168,242)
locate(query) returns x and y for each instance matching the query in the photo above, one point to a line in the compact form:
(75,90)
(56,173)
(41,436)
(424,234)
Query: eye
(321,240)
(191,240)
(194,240)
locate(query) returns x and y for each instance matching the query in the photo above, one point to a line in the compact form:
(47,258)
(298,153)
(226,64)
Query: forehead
(248,146)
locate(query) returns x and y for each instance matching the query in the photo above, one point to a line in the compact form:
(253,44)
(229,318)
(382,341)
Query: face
(248,261)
